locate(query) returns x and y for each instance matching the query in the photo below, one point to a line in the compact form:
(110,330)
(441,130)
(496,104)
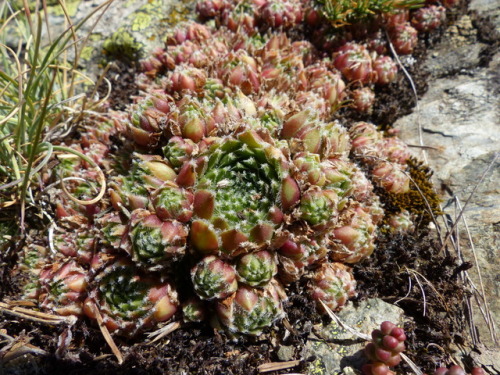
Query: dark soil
(198,349)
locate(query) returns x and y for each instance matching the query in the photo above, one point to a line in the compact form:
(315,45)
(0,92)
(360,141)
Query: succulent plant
(213,278)
(63,288)
(355,63)
(354,240)
(404,38)
(128,301)
(210,8)
(240,70)
(296,257)
(148,119)
(391,177)
(188,31)
(153,243)
(384,350)
(386,70)
(457,370)
(145,174)
(256,269)
(396,17)
(111,228)
(400,222)
(78,244)
(332,283)
(178,150)
(363,99)
(428,18)
(235,166)
(327,83)
(172,202)
(282,13)
(250,310)
(318,207)
(240,192)
(193,310)
(242,16)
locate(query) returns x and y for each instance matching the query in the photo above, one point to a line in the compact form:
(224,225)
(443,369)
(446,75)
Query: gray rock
(336,349)
(286,353)
(488,8)
(457,52)
(459,117)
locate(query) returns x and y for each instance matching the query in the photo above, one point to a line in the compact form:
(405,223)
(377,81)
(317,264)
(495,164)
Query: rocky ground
(456,121)
(459,119)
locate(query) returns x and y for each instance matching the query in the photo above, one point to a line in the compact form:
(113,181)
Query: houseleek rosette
(63,288)
(355,239)
(256,269)
(213,278)
(129,301)
(146,173)
(154,243)
(297,255)
(250,310)
(240,195)
(334,284)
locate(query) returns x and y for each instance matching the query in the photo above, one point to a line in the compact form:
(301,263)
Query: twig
(276,366)
(36,316)
(408,293)
(106,334)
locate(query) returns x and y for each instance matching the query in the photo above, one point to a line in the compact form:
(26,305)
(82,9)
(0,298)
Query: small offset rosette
(213,278)
(256,269)
(282,14)
(296,256)
(319,208)
(154,244)
(172,202)
(146,173)
(129,301)
(332,283)
(251,310)
(354,240)
(148,119)
(63,288)
(355,63)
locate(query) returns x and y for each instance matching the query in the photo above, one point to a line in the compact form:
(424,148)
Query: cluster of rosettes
(359,49)
(233,183)
(384,350)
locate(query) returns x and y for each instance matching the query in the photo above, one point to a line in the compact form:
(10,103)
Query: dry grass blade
(163,331)
(276,366)
(440,296)
(483,176)
(106,334)
(410,363)
(480,296)
(36,316)
(414,89)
